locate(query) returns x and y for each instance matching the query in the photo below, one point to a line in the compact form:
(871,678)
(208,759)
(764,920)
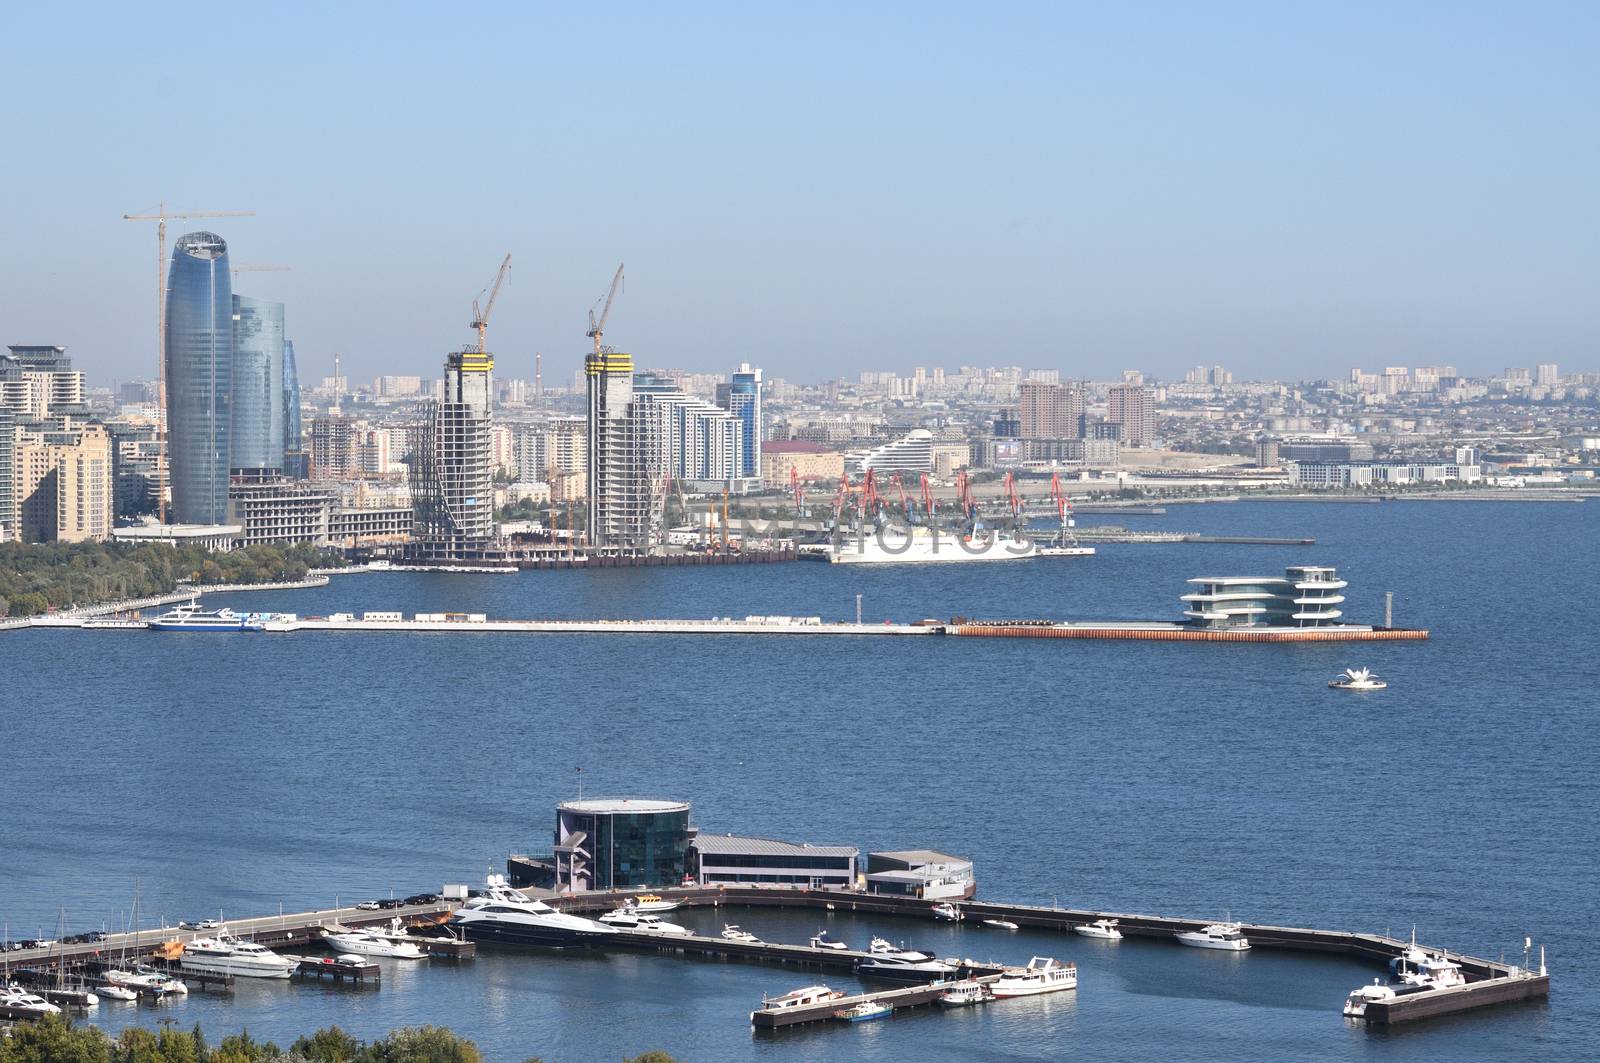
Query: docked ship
(920,545)
(226,954)
(508,916)
(192,618)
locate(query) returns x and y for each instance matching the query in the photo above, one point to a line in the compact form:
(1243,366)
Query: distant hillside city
(227,448)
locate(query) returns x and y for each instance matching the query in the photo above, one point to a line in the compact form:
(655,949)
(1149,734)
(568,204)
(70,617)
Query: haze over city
(1289,190)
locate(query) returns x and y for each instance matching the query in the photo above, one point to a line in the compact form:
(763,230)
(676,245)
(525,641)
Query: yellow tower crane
(597,328)
(480,318)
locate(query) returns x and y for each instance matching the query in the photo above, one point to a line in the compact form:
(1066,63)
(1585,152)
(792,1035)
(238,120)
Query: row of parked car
(398,902)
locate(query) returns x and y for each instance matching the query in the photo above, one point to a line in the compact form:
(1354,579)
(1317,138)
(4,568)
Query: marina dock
(906,997)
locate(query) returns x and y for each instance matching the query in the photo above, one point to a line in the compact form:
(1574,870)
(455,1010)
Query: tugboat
(1357,679)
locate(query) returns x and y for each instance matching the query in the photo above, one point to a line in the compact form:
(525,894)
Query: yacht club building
(1306,596)
(726,858)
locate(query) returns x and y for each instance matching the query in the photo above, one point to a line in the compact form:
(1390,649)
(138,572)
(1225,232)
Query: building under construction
(452,487)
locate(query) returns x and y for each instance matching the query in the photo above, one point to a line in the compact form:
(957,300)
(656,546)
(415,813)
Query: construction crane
(905,503)
(799,493)
(259,269)
(161,217)
(598,328)
(480,318)
(927,501)
(1012,497)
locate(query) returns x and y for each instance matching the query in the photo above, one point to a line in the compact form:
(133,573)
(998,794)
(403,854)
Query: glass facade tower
(257,431)
(199,368)
(744,402)
(295,463)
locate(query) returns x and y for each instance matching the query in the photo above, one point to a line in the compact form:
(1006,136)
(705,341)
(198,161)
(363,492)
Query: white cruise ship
(918,545)
(226,954)
(510,917)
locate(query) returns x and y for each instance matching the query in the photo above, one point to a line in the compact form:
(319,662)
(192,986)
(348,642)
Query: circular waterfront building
(199,369)
(608,842)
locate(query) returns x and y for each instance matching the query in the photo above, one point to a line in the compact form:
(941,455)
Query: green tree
(28,603)
(422,1044)
(54,1040)
(330,1045)
(653,1056)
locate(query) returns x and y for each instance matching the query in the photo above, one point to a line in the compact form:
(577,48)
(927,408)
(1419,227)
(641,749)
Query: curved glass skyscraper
(256,443)
(295,463)
(199,365)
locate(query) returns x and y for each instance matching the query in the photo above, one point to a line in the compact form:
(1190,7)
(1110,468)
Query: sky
(1285,189)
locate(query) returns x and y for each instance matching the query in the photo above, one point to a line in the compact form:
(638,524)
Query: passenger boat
(1357,679)
(650,902)
(640,922)
(947,911)
(799,998)
(192,618)
(1104,929)
(1224,936)
(964,994)
(823,941)
(864,1012)
(732,932)
(1042,975)
(226,954)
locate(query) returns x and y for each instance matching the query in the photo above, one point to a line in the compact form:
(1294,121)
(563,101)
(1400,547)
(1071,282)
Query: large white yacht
(895,968)
(509,916)
(226,954)
(1104,929)
(641,922)
(920,545)
(1225,936)
(1042,975)
(13,996)
(364,941)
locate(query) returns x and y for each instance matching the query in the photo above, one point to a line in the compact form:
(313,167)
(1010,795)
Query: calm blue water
(241,772)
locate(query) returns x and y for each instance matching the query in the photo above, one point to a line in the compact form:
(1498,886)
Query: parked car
(390,902)
(422,898)
(368,906)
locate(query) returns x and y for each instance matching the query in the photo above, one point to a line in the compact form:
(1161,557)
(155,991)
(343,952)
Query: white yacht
(1042,975)
(112,991)
(1435,972)
(502,914)
(963,994)
(226,954)
(192,618)
(919,545)
(146,980)
(364,941)
(1411,955)
(884,947)
(641,922)
(732,932)
(823,941)
(14,996)
(799,998)
(1357,679)
(1104,929)
(1225,936)
(948,912)
(1355,1005)
(893,968)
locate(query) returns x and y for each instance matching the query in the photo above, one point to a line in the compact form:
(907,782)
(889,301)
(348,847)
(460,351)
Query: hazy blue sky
(1287,188)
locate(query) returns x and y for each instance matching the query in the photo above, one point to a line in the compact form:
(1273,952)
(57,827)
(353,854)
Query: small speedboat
(1357,679)
(1000,924)
(823,941)
(732,932)
(947,911)
(650,902)
(863,1012)
(1224,936)
(1104,929)
(116,992)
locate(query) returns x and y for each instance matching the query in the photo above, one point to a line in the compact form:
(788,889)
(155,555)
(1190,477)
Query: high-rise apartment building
(296,462)
(8,475)
(199,368)
(333,448)
(1546,375)
(257,431)
(1049,411)
(678,436)
(1132,407)
(38,382)
(61,484)
(452,485)
(619,502)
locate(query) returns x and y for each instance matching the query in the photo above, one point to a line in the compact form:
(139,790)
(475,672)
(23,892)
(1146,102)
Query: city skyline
(1285,192)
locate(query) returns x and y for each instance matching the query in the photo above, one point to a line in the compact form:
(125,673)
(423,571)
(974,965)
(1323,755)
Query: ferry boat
(505,915)
(864,1012)
(1224,936)
(919,545)
(799,998)
(226,954)
(1104,929)
(1357,679)
(964,994)
(1042,975)
(192,618)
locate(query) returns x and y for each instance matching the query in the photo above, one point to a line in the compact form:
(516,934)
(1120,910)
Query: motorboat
(732,932)
(864,1012)
(884,947)
(799,998)
(191,617)
(14,996)
(1000,924)
(823,941)
(226,954)
(111,991)
(1042,975)
(893,969)
(1357,679)
(640,922)
(1104,929)
(964,994)
(1411,955)
(1435,972)
(650,902)
(147,980)
(366,942)
(1355,1005)
(1225,936)
(947,911)
(505,915)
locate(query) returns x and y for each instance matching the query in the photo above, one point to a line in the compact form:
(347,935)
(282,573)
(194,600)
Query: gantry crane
(480,318)
(161,217)
(597,328)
